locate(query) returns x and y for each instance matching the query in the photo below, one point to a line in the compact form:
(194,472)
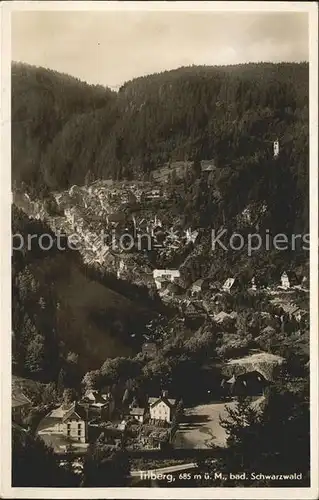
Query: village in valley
(246,340)
(160,249)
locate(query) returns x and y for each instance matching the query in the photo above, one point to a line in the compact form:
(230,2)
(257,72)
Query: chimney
(164,394)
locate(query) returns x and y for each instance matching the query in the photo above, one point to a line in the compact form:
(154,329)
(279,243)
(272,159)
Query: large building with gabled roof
(162,408)
(64,424)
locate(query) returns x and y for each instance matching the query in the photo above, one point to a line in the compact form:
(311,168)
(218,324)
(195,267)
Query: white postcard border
(5,298)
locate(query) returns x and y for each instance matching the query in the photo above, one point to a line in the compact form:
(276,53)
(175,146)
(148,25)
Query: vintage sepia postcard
(159,265)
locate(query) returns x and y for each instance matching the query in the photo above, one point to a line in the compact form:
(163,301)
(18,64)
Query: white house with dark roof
(253,283)
(162,408)
(229,284)
(138,414)
(74,424)
(64,424)
(165,275)
(285,282)
(152,194)
(191,235)
(289,279)
(208,165)
(98,404)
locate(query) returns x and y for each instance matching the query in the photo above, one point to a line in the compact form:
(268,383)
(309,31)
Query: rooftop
(198,283)
(19,399)
(222,315)
(95,397)
(229,283)
(75,409)
(258,357)
(137,411)
(58,412)
(168,401)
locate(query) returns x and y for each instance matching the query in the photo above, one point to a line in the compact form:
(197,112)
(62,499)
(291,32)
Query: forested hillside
(191,153)
(55,325)
(43,101)
(65,131)
(171,115)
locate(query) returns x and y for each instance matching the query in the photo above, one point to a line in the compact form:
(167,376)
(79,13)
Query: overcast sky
(112,47)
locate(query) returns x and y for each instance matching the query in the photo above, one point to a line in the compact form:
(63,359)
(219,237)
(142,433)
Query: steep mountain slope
(93,321)
(205,109)
(42,103)
(172,115)
(57,309)
(231,113)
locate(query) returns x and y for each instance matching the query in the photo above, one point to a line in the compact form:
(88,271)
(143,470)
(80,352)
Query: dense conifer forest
(63,128)
(77,328)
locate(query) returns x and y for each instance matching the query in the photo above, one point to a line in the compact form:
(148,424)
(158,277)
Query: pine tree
(61,382)
(263,440)
(34,360)
(103,467)
(196,168)
(68,397)
(33,463)
(241,425)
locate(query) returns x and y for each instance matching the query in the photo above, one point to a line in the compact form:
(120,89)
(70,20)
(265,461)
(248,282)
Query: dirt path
(202,427)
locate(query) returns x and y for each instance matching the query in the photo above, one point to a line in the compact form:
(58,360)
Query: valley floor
(201,427)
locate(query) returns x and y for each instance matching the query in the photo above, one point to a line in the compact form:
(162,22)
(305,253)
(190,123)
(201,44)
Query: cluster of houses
(75,424)
(66,423)
(70,422)
(164,277)
(98,208)
(107,228)
(110,192)
(87,210)
(106,207)
(158,410)
(205,298)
